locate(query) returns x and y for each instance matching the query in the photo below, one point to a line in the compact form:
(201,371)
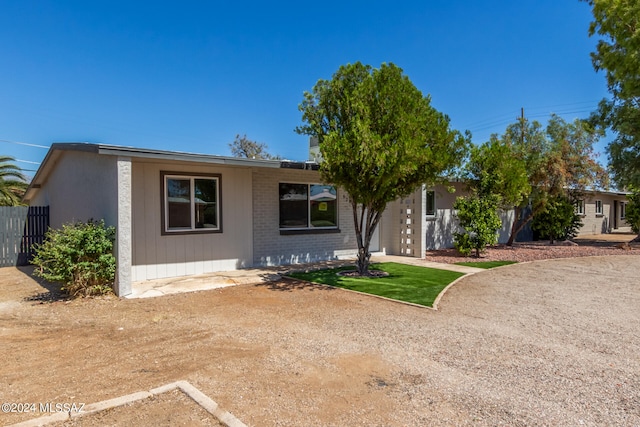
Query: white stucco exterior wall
(123,249)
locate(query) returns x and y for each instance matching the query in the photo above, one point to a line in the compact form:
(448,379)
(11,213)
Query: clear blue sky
(190,75)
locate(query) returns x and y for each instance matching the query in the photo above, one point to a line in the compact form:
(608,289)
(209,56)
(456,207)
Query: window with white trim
(190,203)
(430,209)
(598,207)
(623,210)
(308,206)
(580,207)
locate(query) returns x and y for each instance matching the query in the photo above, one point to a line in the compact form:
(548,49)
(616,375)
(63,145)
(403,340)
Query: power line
(489,123)
(24,143)
(578,107)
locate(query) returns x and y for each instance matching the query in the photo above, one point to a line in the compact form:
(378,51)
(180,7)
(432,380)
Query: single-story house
(603,212)
(179,214)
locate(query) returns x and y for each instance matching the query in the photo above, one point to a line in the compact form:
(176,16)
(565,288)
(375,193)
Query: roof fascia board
(185,157)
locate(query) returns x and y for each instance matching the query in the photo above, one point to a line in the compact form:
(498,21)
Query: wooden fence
(20,228)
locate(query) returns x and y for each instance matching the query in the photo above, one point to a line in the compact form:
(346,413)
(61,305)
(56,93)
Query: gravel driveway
(547,343)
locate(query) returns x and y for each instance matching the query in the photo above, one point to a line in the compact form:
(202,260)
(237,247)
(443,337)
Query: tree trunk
(365,226)
(517,226)
(514,229)
(363,261)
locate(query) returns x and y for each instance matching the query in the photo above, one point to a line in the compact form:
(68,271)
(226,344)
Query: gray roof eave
(114,150)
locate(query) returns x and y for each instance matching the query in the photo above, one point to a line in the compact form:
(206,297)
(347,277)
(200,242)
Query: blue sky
(190,75)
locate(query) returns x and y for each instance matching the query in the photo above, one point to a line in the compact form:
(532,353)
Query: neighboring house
(179,214)
(603,212)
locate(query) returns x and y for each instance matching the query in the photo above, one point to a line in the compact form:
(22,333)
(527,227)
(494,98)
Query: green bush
(633,211)
(80,257)
(559,220)
(478,216)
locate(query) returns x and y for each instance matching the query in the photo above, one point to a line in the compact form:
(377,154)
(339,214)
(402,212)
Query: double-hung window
(598,207)
(308,206)
(623,210)
(580,207)
(190,203)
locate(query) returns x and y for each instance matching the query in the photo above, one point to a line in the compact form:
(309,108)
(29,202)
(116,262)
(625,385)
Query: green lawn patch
(485,264)
(419,285)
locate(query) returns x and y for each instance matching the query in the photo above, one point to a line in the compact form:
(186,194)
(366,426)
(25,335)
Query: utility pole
(522,125)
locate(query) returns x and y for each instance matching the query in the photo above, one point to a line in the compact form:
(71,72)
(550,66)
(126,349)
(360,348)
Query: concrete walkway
(422,263)
(221,279)
(201,282)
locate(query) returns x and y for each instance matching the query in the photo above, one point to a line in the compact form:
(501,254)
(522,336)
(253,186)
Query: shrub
(559,220)
(478,216)
(80,257)
(633,211)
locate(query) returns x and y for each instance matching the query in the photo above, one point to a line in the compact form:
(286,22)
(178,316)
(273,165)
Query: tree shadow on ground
(51,291)
(288,284)
(278,279)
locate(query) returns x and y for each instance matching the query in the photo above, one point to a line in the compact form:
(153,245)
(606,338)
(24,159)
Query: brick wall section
(271,248)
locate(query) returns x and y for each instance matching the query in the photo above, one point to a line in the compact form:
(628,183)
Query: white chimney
(314,150)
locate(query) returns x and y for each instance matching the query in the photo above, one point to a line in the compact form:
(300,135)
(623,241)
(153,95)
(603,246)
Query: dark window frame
(426,207)
(308,228)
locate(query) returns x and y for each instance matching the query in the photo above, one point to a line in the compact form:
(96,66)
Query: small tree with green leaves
(478,217)
(80,257)
(558,220)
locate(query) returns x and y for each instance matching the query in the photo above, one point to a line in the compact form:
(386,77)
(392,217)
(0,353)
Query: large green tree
(618,55)
(379,138)
(494,168)
(13,183)
(559,160)
(497,179)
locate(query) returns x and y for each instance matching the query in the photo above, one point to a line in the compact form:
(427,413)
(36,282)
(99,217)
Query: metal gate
(20,228)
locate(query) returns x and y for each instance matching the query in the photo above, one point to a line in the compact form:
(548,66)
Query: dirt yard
(547,343)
